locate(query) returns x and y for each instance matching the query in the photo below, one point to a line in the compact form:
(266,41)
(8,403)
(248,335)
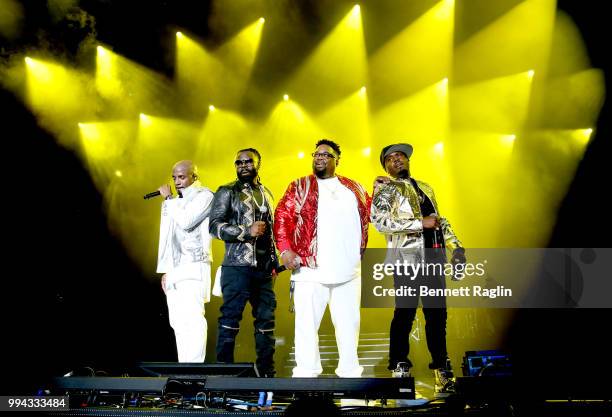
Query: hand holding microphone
(258,228)
(290,259)
(165,191)
(458,258)
(431,221)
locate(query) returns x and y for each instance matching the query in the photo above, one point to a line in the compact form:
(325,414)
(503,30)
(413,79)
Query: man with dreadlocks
(241,215)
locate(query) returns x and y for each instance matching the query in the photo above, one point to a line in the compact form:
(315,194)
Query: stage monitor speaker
(183,370)
(372,388)
(487,363)
(107,384)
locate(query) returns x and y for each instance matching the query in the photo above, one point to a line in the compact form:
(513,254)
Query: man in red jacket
(321,229)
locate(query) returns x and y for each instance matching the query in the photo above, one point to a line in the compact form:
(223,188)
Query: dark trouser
(240,284)
(434,310)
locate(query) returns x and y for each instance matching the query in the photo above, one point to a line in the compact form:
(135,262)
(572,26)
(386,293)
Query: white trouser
(311,299)
(186,313)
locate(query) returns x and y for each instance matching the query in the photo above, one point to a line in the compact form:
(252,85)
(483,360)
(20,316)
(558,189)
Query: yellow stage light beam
(337,67)
(569,54)
(354,20)
(542,176)
(40,70)
(573,101)
(147,148)
(288,129)
(439,148)
(433,165)
(11,18)
(222,134)
(571,93)
(498,105)
(518,41)
(420,119)
(239,53)
(480,163)
(106,141)
(348,121)
(203,78)
(167,137)
(60,97)
(106,146)
(219,76)
(145,120)
(586,134)
(107,81)
(131,87)
(161,142)
(508,140)
(90,133)
(418,56)
(583,136)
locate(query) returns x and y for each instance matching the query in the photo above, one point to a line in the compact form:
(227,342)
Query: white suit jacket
(184,241)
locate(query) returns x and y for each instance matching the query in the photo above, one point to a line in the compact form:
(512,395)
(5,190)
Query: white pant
(311,299)
(186,313)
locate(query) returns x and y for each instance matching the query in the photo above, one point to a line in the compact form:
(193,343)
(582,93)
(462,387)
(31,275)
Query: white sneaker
(444,382)
(402,370)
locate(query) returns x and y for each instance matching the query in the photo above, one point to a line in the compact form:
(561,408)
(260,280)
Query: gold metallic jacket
(396,213)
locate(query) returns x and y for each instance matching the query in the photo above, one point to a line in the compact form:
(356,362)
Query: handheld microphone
(436,243)
(151,195)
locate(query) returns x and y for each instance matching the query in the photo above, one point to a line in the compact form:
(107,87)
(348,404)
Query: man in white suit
(184,259)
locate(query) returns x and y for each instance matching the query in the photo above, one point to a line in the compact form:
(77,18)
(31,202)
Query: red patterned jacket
(295,219)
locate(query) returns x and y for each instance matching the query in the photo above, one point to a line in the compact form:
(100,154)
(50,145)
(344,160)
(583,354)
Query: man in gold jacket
(406,212)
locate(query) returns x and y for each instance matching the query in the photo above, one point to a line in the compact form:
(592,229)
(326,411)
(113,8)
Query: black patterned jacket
(231,216)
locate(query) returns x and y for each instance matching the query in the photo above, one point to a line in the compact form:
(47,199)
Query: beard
(247,175)
(320,172)
(403,173)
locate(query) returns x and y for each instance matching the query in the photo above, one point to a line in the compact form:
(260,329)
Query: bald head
(185,165)
(184,173)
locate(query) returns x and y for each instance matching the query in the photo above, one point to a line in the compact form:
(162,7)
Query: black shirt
(427,208)
(263,244)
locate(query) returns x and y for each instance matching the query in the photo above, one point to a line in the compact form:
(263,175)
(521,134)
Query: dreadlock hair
(331,144)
